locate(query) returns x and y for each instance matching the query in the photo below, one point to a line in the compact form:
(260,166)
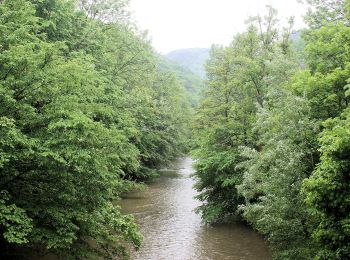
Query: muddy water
(172,230)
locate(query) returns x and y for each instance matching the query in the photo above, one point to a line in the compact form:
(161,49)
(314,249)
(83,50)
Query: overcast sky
(177,24)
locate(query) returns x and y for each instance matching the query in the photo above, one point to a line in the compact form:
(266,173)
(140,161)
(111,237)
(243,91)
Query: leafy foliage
(238,79)
(192,83)
(327,190)
(273,134)
(273,176)
(84,111)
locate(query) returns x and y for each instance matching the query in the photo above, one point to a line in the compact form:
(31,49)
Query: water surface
(172,230)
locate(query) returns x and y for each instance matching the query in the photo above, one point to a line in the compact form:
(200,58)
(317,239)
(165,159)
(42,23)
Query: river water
(172,230)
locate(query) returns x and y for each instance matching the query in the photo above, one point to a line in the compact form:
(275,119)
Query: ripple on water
(172,230)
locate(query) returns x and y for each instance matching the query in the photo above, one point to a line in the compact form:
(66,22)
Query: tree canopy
(272,133)
(85,112)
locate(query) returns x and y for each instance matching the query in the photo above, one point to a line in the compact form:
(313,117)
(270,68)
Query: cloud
(176,24)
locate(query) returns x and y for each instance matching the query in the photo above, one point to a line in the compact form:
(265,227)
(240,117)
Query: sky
(178,24)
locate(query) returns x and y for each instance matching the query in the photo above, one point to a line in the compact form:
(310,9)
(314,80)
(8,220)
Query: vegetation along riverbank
(89,111)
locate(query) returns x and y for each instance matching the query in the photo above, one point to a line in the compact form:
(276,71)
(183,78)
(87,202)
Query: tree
(238,80)
(273,176)
(70,135)
(327,190)
(323,12)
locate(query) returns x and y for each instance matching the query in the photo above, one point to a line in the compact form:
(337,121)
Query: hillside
(193,59)
(192,82)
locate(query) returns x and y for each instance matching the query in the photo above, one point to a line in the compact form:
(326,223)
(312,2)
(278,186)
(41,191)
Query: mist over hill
(192,82)
(192,59)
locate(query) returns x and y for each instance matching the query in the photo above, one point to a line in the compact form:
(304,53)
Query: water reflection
(173,231)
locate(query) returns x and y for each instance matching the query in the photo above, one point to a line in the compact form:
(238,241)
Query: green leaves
(84,111)
(273,176)
(14,220)
(327,190)
(328,57)
(257,127)
(239,78)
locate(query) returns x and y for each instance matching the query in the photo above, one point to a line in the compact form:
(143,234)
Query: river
(172,230)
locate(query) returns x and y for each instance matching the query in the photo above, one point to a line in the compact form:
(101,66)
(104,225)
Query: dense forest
(273,133)
(192,82)
(89,111)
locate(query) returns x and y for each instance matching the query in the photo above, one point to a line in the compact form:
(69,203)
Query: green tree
(322,12)
(324,82)
(273,176)
(327,190)
(76,88)
(238,80)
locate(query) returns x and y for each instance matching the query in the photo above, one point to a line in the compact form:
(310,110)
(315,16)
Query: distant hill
(298,45)
(192,59)
(192,83)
